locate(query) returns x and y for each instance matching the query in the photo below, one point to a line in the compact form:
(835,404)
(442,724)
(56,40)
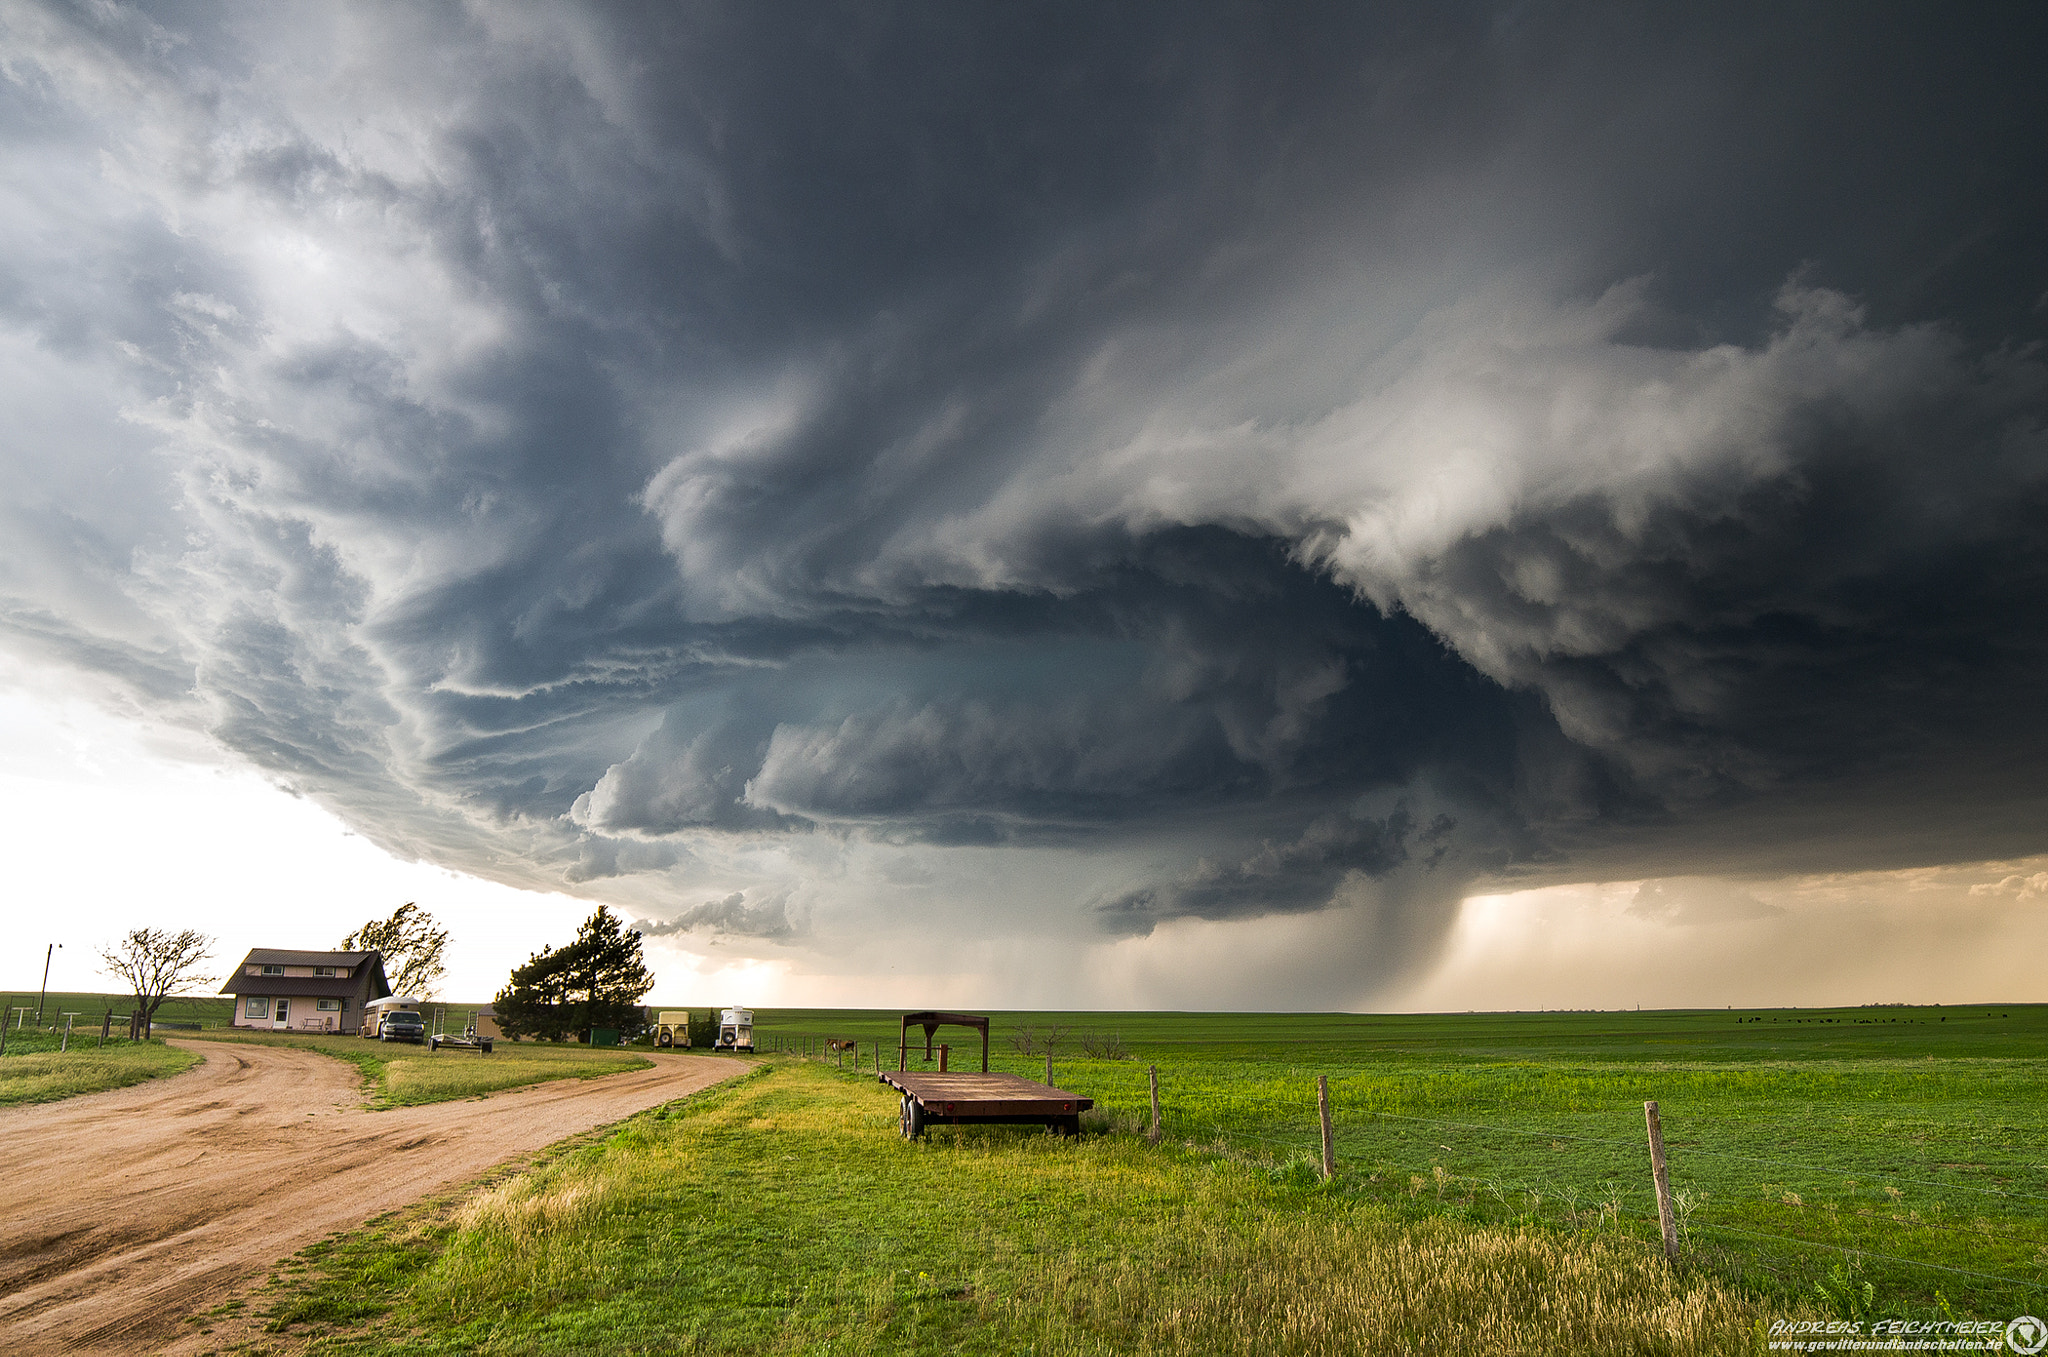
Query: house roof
(323,986)
(292,986)
(271,956)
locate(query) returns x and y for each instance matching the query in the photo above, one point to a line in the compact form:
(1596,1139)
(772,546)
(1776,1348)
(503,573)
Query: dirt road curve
(122,1212)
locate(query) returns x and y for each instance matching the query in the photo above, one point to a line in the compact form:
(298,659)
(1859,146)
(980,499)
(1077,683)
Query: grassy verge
(34,1071)
(208,1010)
(1811,1150)
(407,1076)
(783,1213)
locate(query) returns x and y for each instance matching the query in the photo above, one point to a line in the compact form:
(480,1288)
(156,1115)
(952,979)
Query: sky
(1156,506)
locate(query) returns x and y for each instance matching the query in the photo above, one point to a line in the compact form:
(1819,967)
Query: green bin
(604,1036)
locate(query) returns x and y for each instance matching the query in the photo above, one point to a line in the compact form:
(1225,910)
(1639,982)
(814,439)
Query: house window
(273,970)
(327,971)
(330,1005)
(255,1006)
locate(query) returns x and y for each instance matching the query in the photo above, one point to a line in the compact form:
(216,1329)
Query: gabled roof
(271,956)
(293,986)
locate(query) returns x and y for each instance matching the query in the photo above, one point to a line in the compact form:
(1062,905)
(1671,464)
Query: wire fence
(1875,1213)
(1866,1217)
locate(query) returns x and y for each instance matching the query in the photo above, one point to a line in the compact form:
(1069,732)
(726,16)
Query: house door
(284,1014)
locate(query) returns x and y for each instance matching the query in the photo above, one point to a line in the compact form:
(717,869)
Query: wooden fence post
(1153,1071)
(1660,1173)
(1048,1071)
(1329,1144)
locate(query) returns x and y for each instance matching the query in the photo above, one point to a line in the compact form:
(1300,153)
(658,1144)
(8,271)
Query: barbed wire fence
(1848,1215)
(1868,1219)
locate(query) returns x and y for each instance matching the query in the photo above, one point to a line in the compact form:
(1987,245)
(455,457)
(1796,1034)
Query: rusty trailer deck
(958,1098)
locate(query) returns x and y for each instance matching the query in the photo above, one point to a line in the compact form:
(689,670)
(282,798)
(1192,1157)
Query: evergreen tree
(595,981)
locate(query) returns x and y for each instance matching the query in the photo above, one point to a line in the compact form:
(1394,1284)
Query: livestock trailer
(672,1028)
(735,1030)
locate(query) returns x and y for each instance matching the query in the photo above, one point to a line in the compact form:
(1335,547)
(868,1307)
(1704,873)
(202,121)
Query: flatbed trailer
(961,1097)
(947,1097)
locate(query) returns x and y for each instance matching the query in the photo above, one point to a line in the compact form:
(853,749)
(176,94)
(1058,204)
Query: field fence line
(1867,1253)
(1550,1189)
(1563,1193)
(1962,1230)
(1895,1177)
(1692,1149)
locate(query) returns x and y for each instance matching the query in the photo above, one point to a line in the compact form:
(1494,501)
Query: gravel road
(126,1211)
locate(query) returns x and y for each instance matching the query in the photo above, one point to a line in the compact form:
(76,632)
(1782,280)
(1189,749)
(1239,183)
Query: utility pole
(47,953)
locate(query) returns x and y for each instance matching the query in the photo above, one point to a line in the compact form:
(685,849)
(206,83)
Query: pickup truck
(402,1025)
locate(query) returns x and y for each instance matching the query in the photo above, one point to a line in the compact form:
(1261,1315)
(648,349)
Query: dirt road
(123,1212)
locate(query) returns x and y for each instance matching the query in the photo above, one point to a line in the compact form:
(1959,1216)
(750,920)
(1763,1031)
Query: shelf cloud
(791,472)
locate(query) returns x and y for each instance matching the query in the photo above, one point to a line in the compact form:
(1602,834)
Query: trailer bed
(957,1098)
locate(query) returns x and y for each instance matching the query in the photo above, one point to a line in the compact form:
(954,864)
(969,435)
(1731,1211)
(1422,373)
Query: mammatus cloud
(787,461)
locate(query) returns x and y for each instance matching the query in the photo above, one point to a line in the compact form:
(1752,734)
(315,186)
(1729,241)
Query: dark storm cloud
(731,916)
(663,445)
(1287,877)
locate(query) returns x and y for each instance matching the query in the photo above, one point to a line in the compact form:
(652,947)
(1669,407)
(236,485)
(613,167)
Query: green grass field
(783,1214)
(397,1076)
(33,1070)
(208,1010)
(1493,1195)
(1908,1146)
(407,1076)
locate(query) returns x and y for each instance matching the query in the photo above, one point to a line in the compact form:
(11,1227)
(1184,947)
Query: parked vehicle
(403,1024)
(672,1028)
(467,1041)
(397,1018)
(735,1030)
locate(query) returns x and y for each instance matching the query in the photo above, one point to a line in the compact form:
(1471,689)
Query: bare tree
(153,962)
(412,948)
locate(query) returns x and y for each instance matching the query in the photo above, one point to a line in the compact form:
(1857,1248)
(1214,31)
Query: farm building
(305,991)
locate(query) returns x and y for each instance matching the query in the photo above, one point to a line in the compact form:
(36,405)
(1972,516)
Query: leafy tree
(153,962)
(595,981)
(412,948)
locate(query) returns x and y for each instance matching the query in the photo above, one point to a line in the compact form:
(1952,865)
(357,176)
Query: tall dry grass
(1321,1288)
(1123,1249)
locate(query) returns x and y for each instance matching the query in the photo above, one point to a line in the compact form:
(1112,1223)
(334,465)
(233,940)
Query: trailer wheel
(912,1118)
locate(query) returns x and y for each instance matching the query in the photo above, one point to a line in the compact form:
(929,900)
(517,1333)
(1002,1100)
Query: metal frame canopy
(931,1023)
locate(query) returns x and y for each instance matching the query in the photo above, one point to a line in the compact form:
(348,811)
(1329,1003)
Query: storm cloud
(755,465)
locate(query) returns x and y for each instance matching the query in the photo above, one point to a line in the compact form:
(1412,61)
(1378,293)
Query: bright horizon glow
(218,847)
(210,845)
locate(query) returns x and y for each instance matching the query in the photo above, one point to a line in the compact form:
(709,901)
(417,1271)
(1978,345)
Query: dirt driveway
(123,1212)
